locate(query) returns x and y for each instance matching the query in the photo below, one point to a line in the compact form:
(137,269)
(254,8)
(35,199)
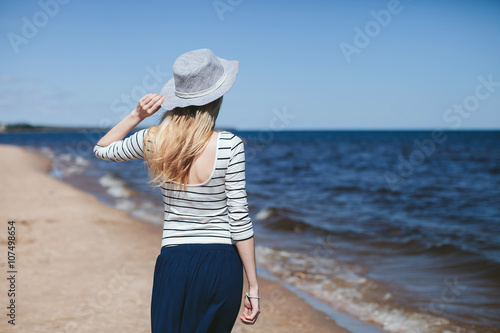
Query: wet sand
(85,267)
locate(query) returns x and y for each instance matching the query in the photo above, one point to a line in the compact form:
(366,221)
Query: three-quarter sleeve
(240,224)
(124,150)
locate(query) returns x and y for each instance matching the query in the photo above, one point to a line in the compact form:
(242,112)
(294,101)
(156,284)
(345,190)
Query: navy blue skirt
(196,288)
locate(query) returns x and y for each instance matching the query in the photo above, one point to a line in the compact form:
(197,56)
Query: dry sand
(85,267)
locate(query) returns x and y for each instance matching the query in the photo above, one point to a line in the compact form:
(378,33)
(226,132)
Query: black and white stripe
(215,211)
(124,150)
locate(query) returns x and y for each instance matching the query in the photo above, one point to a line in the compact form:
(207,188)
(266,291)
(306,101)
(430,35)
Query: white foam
(143,210)
(152,216)
(342,286)
(115,186)
(47,151)
(64,164)
(263,214)
(126,205)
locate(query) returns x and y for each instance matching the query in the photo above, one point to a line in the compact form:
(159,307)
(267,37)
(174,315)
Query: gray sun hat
(200,77)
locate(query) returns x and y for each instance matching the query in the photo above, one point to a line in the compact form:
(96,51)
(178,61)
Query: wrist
(253,290)
(135,116)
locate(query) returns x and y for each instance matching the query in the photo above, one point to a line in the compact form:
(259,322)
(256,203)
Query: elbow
(242,232)
(107,153)
(100,153)
(236,240)
(96,151)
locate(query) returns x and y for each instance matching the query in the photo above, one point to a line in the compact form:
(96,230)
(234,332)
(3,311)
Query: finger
(254,314)
(246,321)
(246,312)
(254,307)
(153,100)
(158,104)
(143,102)
(243,316)
(145,98)
(251,316)
(148,100)
(155,104)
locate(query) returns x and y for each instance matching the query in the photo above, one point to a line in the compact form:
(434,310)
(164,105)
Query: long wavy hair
(171,147)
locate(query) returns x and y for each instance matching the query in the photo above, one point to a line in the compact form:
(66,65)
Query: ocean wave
(115,186)
(418,244)
(275,218)
(346,289)
(288,224)
(143,210)
(273,212)
(64,164)
(494,171)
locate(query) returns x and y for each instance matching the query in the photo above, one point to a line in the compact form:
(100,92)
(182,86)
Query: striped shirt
(215,211)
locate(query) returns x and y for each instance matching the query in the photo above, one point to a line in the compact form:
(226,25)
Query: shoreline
(84,266)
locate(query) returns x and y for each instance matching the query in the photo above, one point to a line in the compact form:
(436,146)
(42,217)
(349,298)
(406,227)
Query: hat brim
(172,101)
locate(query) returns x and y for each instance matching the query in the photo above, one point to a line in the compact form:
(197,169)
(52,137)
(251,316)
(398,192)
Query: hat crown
(196,71)
(200,77)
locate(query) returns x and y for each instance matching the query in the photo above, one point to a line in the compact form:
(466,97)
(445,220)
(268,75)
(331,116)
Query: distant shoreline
(25,127)
(21,127)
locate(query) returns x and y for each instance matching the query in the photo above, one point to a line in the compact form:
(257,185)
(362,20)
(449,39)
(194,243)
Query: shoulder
(145,130)
(231,145)
(232,139)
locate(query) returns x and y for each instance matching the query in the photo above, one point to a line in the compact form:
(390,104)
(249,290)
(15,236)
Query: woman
(208,235)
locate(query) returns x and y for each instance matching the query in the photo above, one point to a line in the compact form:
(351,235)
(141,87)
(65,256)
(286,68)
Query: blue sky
(303,64)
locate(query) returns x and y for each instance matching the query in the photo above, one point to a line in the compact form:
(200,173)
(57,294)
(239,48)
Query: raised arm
(112,147)
(124,150)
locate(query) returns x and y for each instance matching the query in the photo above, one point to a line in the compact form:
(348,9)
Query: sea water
(393,228)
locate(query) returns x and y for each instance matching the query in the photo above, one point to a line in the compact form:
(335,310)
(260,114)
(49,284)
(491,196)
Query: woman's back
(214,210)
(203,164)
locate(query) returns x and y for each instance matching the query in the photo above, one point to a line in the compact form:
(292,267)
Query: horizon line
(430,129)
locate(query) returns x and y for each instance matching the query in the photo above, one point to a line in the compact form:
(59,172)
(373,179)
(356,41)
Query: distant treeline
(25,127)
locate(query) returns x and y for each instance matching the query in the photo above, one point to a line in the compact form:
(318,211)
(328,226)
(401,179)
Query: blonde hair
(171,147)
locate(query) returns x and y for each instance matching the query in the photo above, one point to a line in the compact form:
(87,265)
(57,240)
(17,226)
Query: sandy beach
(83,266)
